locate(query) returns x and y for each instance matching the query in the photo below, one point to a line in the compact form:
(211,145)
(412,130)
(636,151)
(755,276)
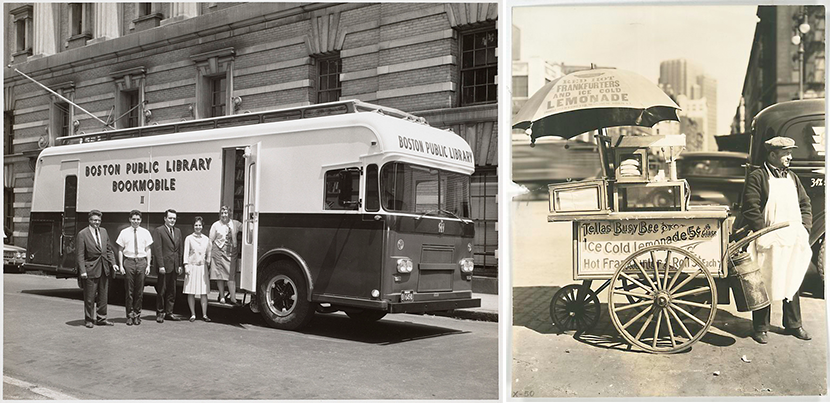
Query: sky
(638,38)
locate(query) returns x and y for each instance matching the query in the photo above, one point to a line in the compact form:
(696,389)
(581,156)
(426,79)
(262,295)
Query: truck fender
(818,228)
(278,253)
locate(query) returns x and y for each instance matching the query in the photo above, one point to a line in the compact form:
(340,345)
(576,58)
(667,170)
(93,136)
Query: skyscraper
(683,77)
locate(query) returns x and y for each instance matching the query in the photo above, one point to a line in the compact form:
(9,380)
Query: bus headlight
(404,265)
(466,265)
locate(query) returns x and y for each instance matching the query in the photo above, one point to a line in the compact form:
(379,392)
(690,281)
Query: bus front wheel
(283,296)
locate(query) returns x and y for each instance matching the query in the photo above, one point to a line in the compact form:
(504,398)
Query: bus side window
(372,192)
(342,189)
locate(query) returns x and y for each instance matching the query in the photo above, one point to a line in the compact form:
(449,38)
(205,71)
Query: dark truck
(802,121)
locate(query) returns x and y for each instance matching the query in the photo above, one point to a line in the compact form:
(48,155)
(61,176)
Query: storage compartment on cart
(583,197)
(654,196)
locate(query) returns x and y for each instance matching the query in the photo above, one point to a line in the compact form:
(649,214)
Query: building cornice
(189,29)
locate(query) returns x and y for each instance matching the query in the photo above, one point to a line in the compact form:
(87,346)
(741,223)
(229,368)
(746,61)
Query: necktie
(135,241)
(98,238)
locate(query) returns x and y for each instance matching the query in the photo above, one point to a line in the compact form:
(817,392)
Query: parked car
(13,256)
(715,177)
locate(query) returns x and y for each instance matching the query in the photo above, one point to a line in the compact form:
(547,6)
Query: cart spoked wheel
(666,286)
(572,309)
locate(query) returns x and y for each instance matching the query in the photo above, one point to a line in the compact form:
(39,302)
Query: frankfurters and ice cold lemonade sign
(602,245)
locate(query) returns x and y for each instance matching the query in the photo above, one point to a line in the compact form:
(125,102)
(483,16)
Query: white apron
(783,255)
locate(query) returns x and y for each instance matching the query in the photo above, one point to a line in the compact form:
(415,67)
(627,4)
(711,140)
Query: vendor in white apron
(773,194)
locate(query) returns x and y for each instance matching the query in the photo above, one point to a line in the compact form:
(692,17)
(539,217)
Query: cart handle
(733,248)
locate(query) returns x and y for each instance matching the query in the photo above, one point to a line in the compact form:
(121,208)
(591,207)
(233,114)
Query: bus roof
(397,132)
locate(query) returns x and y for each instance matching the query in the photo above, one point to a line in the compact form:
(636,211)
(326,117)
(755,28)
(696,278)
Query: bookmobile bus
(345,206)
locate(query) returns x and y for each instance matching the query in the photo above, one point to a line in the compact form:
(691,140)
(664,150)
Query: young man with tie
(135,256)
(167,247)
(96,265)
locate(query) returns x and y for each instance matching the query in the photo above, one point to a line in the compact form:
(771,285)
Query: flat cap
(780,143)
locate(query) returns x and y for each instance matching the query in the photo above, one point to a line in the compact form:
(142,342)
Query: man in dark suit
(96,265)
(167,246)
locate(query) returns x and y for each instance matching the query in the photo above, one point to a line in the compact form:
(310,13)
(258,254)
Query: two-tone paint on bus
(365,212)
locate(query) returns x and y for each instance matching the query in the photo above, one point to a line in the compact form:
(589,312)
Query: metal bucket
(747,283)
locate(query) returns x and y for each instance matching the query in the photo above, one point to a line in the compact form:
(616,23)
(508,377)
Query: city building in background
(697,96)
(136,64)
(787,61)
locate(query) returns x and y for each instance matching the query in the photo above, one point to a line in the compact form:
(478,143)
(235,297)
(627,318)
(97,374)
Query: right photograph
(668,205)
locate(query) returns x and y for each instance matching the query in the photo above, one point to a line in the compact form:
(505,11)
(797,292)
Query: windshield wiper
(440,210)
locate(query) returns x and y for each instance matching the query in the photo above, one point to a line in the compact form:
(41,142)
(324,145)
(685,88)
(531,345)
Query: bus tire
(366,315)
(282,294)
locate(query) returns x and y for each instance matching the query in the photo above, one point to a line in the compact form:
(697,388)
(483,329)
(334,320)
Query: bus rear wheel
(283,296)
(366,315)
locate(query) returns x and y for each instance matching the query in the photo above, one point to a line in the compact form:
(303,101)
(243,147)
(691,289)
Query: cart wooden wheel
(667,284)
(572,309)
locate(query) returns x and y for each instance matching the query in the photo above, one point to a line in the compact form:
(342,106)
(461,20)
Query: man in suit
(96,265)
(773,194)
(167,246)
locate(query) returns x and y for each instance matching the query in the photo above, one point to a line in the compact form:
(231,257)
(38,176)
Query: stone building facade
(135,64)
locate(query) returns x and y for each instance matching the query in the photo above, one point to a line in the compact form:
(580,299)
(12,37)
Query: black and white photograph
(667,201)
(242,201)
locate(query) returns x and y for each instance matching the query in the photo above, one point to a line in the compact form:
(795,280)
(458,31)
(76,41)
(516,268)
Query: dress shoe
(160,318)
(760,337)
(799,333)
(104,322)
(171,317)
(137,320)
(130,321)
(89,325)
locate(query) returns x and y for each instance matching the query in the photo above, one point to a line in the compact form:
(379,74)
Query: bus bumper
(433,306)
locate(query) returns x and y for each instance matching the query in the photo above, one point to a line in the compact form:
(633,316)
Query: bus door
(250,218)
(69,226)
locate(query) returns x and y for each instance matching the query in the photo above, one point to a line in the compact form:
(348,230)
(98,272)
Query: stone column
(44,30)
(181,11)
(106,22)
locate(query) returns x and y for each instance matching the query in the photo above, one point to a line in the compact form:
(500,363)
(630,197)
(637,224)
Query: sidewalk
(487,312)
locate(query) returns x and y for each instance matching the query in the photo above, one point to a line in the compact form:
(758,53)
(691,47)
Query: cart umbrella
(592,99)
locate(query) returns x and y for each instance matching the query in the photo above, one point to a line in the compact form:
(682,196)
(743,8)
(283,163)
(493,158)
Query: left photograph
(250,201)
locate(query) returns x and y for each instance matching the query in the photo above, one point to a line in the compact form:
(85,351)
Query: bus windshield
(420,190)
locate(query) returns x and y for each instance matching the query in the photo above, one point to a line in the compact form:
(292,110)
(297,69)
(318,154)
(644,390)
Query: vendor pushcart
(663,262)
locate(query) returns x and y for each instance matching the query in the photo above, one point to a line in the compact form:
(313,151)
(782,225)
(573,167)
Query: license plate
(407,296)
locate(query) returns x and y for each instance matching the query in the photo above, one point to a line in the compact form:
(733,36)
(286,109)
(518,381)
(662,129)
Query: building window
(76,18)
(8,214)
(328,78)
(130,104)
(214,82)
(218,93)
(23,28)
(483,191)
(8,134)
(479,66)
(145,9)
(520,86)
(61,118)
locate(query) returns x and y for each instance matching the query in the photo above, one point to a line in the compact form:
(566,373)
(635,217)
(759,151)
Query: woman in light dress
(223,249)
(196,252)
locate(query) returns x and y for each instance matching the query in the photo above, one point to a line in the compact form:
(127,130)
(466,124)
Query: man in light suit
(96,265)
(167,246)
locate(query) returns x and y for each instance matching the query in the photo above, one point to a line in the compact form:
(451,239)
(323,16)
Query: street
(600,364)
(236,356)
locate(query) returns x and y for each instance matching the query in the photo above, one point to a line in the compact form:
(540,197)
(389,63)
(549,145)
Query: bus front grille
(436,268)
